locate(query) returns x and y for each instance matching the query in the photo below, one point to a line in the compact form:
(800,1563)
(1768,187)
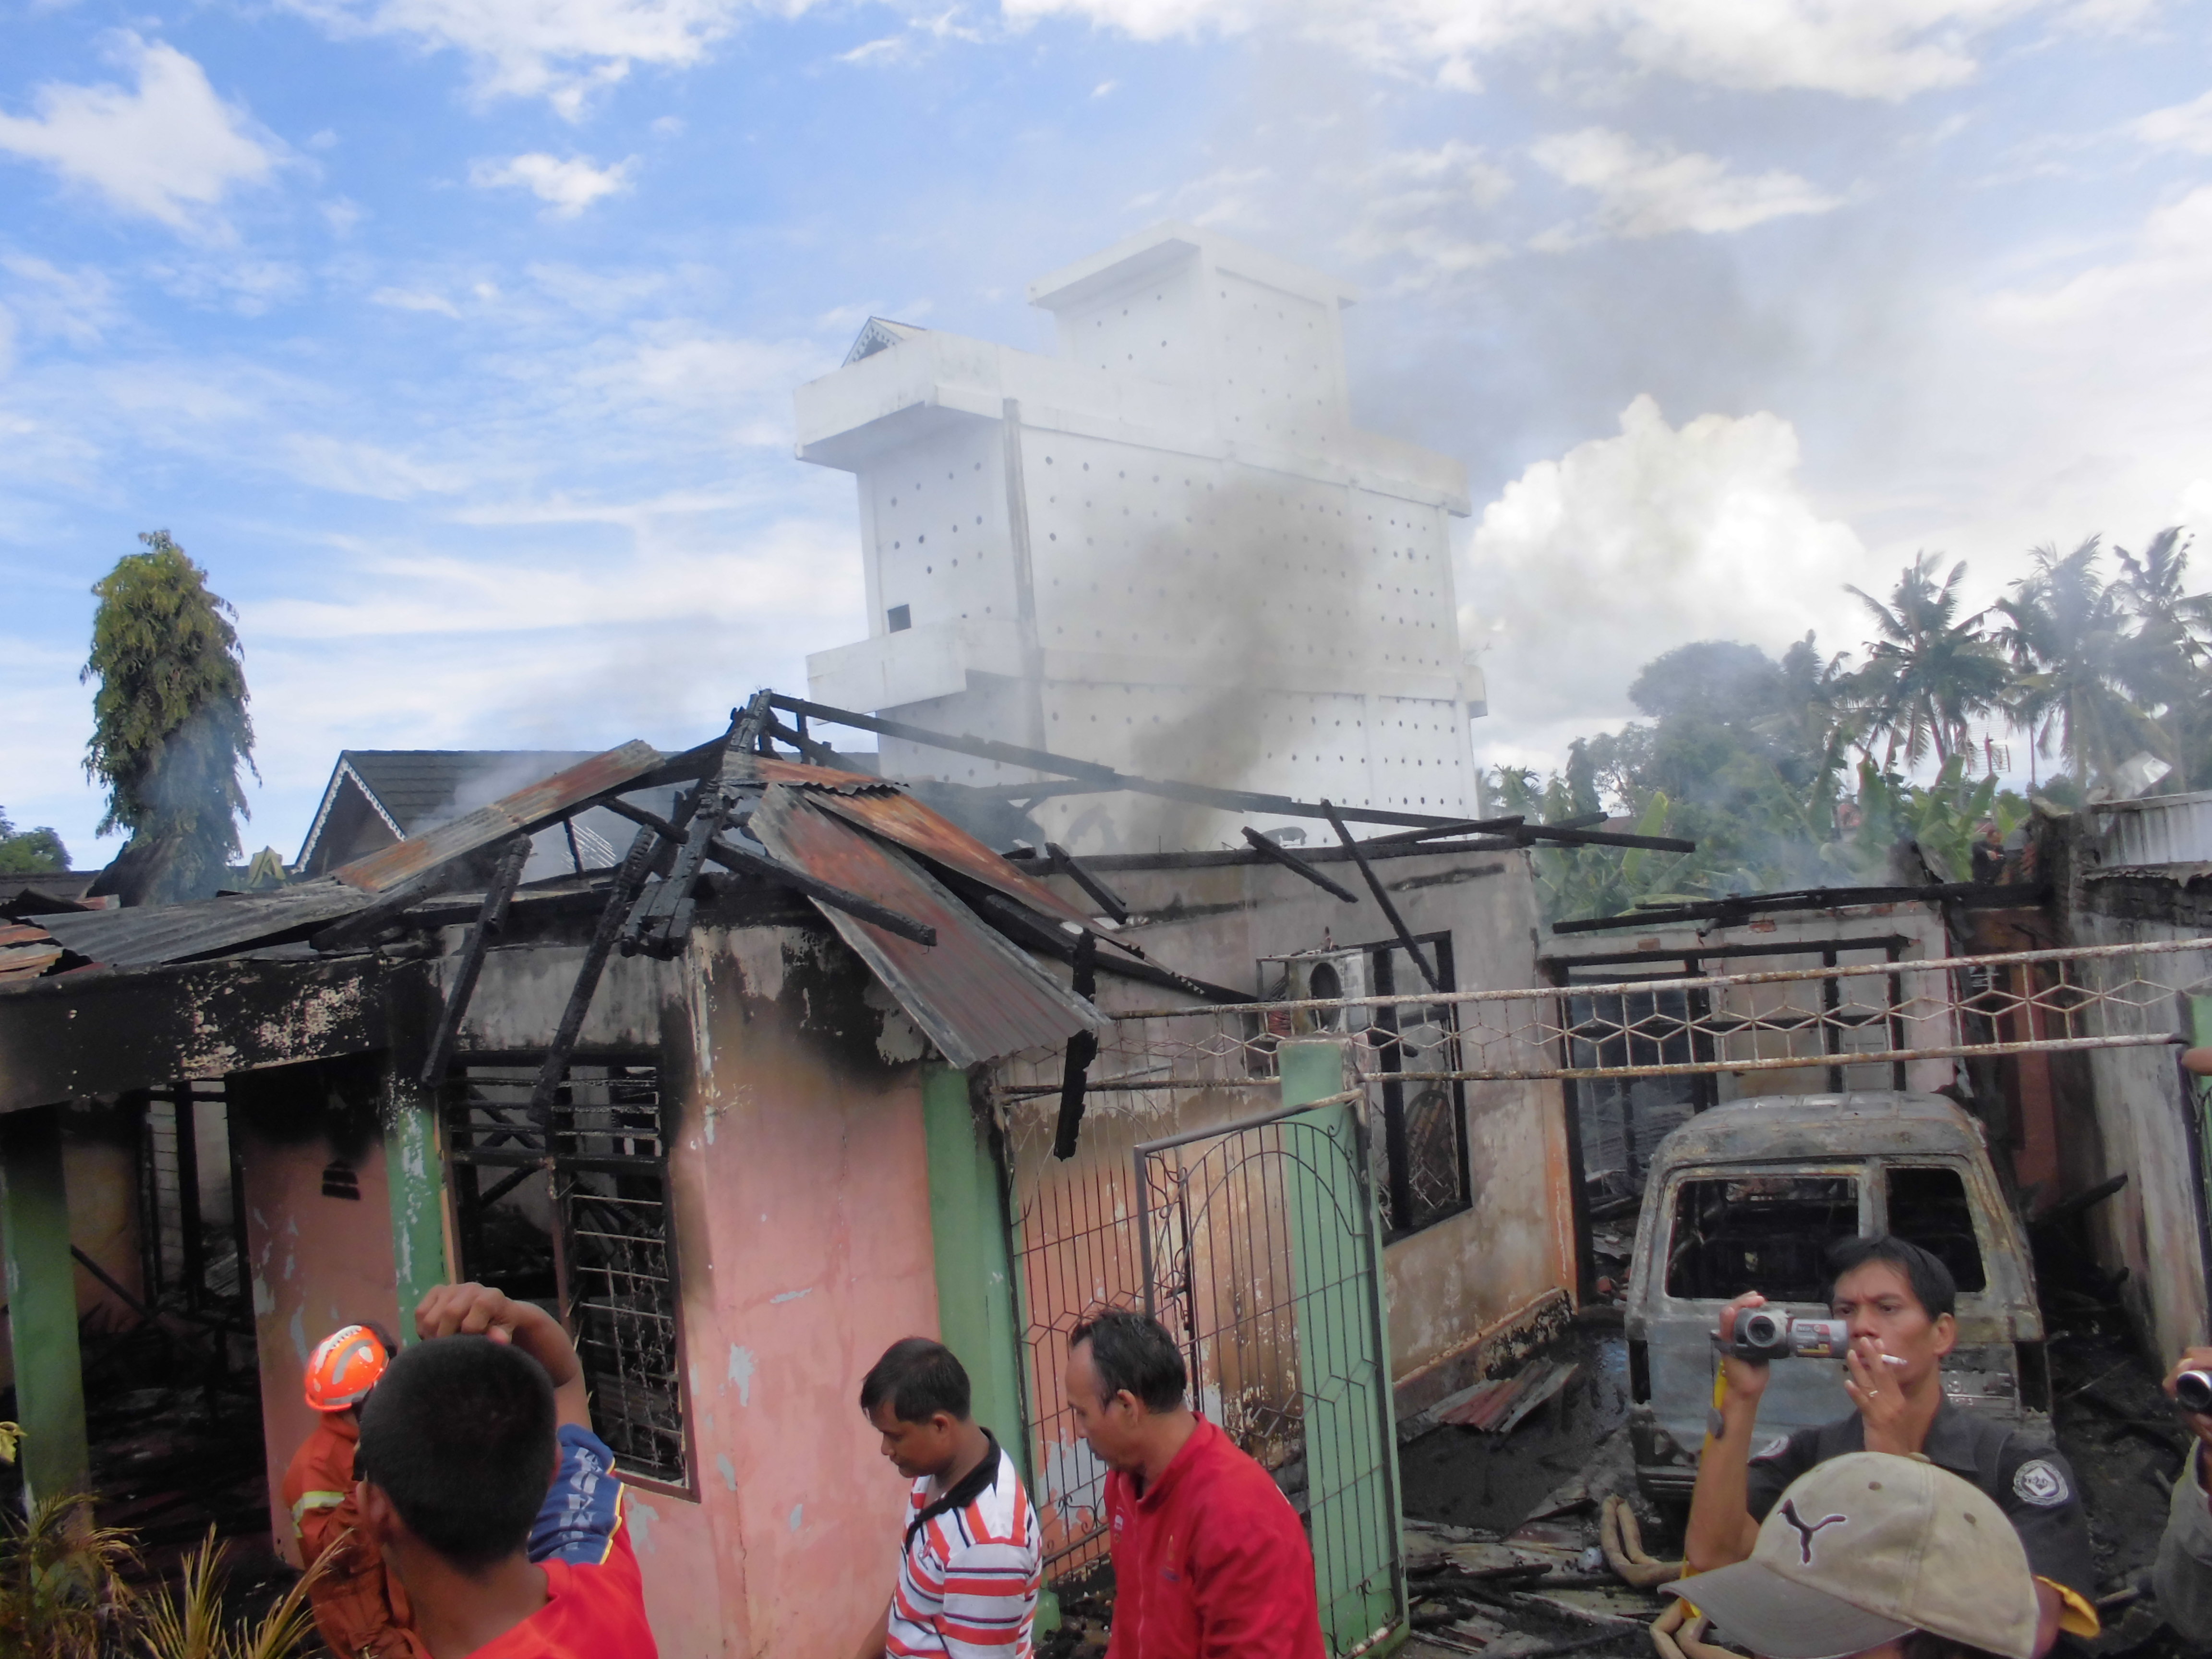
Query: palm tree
(2067,633)
(1930,673)
(2165,663)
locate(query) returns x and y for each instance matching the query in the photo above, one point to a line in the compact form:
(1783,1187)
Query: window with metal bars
(1422,1129)
(571,1211)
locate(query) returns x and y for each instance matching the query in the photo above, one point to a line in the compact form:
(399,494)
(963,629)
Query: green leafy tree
(170,730)
(30,851)
(2165,663)
(2068,633)
(1929,671)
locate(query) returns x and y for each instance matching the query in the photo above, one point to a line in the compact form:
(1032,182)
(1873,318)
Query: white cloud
(1884,49)
(170,149)
(1649,190)
(2181,126)
(1628,546)
(1412,209)
(403,299)
(78,306)
(567,187)
(562,51)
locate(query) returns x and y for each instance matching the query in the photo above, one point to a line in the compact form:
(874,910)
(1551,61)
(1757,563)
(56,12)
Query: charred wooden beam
(820,753)
(629,880)
(1102,896)
(1105,777)
(664,917)
(1020,925)
(491,918)
(1463,827)
(1381,897)
(740,861)
(1082,1049)
(866,909)
(1269,848)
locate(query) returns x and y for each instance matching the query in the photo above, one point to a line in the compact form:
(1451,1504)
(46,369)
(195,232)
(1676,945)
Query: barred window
(572,1214)
(1422,1129)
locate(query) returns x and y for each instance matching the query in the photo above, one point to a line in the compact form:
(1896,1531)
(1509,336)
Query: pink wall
(317,1263)
(802,1205)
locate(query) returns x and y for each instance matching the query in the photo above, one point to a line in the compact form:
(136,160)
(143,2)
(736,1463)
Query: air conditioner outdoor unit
(1329,975)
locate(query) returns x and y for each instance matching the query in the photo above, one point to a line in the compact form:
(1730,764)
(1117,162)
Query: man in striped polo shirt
(971,1567)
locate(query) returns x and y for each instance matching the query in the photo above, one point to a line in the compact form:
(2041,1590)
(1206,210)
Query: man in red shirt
(1210,1560)
(494,1503)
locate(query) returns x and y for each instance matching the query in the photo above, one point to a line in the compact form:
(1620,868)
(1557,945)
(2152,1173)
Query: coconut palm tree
(2167,664)
(2066,630)
(1930,672)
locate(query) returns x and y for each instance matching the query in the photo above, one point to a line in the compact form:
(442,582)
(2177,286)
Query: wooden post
(42,1304)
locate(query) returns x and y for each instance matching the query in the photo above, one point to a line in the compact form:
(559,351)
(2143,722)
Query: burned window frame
(519,1147)
(1855,1171)
(1397,1161)
(1886,1221)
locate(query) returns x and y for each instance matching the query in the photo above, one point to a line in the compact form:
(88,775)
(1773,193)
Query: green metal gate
(1261,1255)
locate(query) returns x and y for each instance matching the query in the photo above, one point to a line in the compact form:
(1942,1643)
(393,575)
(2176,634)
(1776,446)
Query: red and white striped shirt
(969,1580)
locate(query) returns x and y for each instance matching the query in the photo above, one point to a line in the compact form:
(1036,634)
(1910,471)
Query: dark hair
(921,1378)
(1130,1351)
(460,1434)
(1933,1287)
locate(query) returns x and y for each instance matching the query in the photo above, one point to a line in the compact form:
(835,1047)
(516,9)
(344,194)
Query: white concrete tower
(1167,549)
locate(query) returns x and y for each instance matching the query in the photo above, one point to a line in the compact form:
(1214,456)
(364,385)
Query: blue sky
(457,337)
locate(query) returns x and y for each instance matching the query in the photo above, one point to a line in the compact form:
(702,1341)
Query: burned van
(1749,1196)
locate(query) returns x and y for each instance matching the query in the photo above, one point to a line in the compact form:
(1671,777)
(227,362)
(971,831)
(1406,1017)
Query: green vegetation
(30,851)
(1796,772)
(170,730)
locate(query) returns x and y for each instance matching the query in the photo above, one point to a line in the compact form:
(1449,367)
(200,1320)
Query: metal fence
(1171,1097)
(1261,1257)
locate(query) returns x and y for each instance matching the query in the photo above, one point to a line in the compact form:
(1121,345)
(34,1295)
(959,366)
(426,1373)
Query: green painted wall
(415,1170)
(975,1280)
(974,1271)
(42,1303)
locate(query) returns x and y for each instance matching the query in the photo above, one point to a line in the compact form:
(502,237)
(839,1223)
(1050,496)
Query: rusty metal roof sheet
(900,817)
(822,779)
(148,933)
(975,995)
(526,809)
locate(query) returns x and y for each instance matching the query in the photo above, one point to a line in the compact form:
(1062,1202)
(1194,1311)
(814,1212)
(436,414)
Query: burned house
(807,1068)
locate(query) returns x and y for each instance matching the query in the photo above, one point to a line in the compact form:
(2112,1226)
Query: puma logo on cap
(1804,1532)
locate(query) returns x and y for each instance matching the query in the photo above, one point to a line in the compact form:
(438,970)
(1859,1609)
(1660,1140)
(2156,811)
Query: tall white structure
(1167,549)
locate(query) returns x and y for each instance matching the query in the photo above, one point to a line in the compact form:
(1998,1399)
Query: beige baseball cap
(1866,1548)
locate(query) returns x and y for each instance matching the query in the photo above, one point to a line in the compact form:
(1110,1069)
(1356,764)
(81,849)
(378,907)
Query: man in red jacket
(1210,1561)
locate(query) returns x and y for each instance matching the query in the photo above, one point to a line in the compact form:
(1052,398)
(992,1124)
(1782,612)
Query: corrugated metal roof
(2158,830)
(527,808)
(973,994)
(901,818)
(149,933)
(769,769)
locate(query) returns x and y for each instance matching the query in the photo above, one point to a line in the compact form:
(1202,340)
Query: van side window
(1929,1207)
(1765,1233)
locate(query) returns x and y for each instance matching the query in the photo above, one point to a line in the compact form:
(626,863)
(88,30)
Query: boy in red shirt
(494,1503)
(1210,1560)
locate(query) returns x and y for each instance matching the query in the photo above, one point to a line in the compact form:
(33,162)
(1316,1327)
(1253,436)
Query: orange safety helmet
(344,1367)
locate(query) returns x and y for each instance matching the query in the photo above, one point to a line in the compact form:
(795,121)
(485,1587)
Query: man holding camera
(2183,1575)
(1895,1301)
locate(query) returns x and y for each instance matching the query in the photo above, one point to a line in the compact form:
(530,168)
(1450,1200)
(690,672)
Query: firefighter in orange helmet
(359,1608)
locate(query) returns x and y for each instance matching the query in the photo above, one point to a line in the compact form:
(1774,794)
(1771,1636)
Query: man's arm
(1721,1531)
(480,1311)
(873,1644)
(1240,1567)
(2183,1575)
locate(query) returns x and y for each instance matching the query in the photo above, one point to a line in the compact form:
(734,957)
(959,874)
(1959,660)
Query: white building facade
(1166,549)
